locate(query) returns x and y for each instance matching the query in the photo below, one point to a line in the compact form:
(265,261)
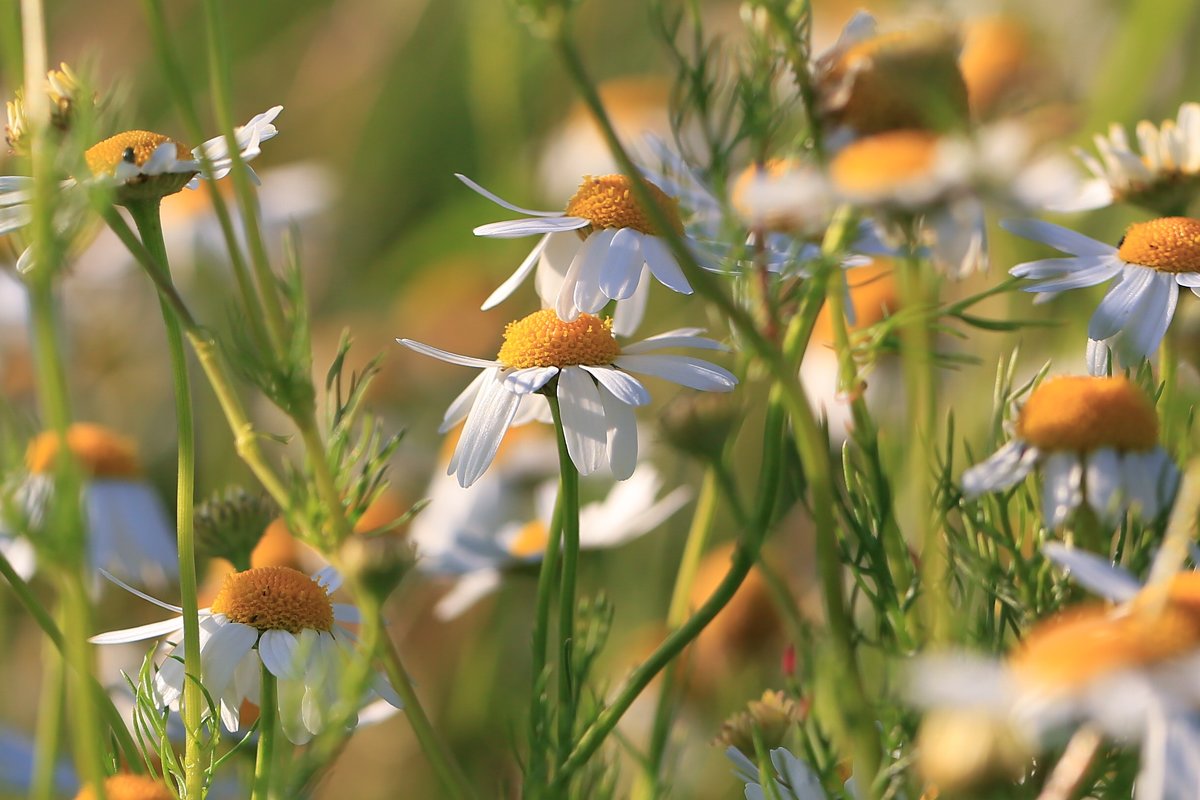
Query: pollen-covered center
(884,161)
(275,598)
(101,453)
(544,340)
(132,147)
(129,787)
(608,202)
(1082,413)
(1170,244)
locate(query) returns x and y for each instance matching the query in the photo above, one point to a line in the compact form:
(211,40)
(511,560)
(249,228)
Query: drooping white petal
(1149,321)
(450,358)
(1092,572)
(153,630)
(663,265)
(694,373)
(622,385)
(527,381)
(629,313)
(475,187)
(1103,481)
(219,656)
(622,441)
(462,404)
(592,259)
(518,228)
(517,278)
(278,651)
(684,337)
(622,266)
(1004,469)
(487,422)
(1081,276)
(1062,487)
(1058,237)
(1118,305)
(291,702)
(584,425)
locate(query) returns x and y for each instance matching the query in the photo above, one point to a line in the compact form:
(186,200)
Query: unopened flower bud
(377,563)
(700,424)
(230,524)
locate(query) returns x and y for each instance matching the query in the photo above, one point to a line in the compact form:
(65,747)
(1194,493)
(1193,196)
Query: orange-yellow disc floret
(1170,244)
(608,201)
(531,540)
(275,598)
(874,293)
(884,161)
(544,340)
(134,147)
(101,453)
(129,787)
(1081,413)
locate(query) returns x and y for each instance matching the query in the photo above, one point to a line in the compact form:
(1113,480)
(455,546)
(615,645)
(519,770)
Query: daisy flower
(128,530)
(1150,262)
(1129,670)
(605,244)
(273,617)
(490,538)
(1163,177)
(588,371)
(1096,443)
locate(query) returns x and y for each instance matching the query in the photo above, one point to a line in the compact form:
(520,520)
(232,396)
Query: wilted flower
(772,716)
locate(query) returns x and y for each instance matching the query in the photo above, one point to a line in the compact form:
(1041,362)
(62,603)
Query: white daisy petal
(622,443)
(1004,469)
(527,381)
(1093,573)
(678,340)
(517,278)
(694,373)
(518,228)
(487,422)
(1103,481)
(1151,318)
(278,651)
(1118,305)
(622,385)
(1058,237)
(475,187)
(467,591)
(462,404)
(1062,487)
(584,425)
(622,266)
(1093,275)
(663,265)
(219,656)
(450,358)
(592,260)
(153,630)
(629,313)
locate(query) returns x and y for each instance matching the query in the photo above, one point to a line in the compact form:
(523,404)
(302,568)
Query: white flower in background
(475,534)
(128,530)
(794,779)
(1164,176)
(1095,441)
(1150,263)
(589,372)
(1129,670)
(275,617)
(605,245)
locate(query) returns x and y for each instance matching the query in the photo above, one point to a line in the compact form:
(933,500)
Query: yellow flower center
(101,453)
(874,293)
(132,147)
(608,202)
(884,161)
(995,54)
(544,340)
(1081,413)
(1170,244)
(275,598)
(1086,643)
(531,540)
(129,787)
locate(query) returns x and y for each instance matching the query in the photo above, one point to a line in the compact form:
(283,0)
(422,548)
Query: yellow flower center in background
(133,147)
(129,787)
(608,202)
(531,540)
(884,161)
(100,452)
(1083,413)
(875,295)
(1170,244)
(275,598)
(996,54)
(544,340)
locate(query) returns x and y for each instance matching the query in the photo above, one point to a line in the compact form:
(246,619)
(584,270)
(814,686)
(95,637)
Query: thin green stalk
(268,732)
(327,488)
(50,723)
(689,562)
(1168,369)
(77,614)
(568,494)
(540,641)
(443,763)
(149,224)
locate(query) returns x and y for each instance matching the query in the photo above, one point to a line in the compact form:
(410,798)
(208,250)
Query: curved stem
(146,218)
(568,499)
(268,731)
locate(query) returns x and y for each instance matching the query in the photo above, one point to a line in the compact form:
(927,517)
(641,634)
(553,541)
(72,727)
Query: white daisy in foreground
(1164,177)
(128,530)
(794,779)
(276,617)
(491,538)
(142,165)
(606,243)
(1152,260)
(1130,671)
(581,364)
(1096,443)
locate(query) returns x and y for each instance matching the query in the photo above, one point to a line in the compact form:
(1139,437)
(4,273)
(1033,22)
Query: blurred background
(384,100)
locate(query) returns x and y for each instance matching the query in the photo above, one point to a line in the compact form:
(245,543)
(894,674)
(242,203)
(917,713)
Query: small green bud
(230,524)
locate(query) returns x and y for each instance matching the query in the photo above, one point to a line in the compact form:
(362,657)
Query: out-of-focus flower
(1096,442)
(275,617)
(1129,670)
(1152,260)
(794,779)
(783,195)
(127,786)
(1164,177)
(1000,66)
(601,248)
(870,82)
(64,90)
(589,373)
(772,717)
(475,534)
(128,530)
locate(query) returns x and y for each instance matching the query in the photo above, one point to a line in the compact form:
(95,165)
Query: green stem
(568,496)
(447,769)
(149,224)
(50,723)
(77,613)
(268,732)
(1168,364)
(541,639)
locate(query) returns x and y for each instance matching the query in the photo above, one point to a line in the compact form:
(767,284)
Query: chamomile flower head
(783,195)
(1095,441)
(1150,262)
(601,248)
(127,786)
(128,530)
(580,363)
(1161,172)
(276,617)
(477,534)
